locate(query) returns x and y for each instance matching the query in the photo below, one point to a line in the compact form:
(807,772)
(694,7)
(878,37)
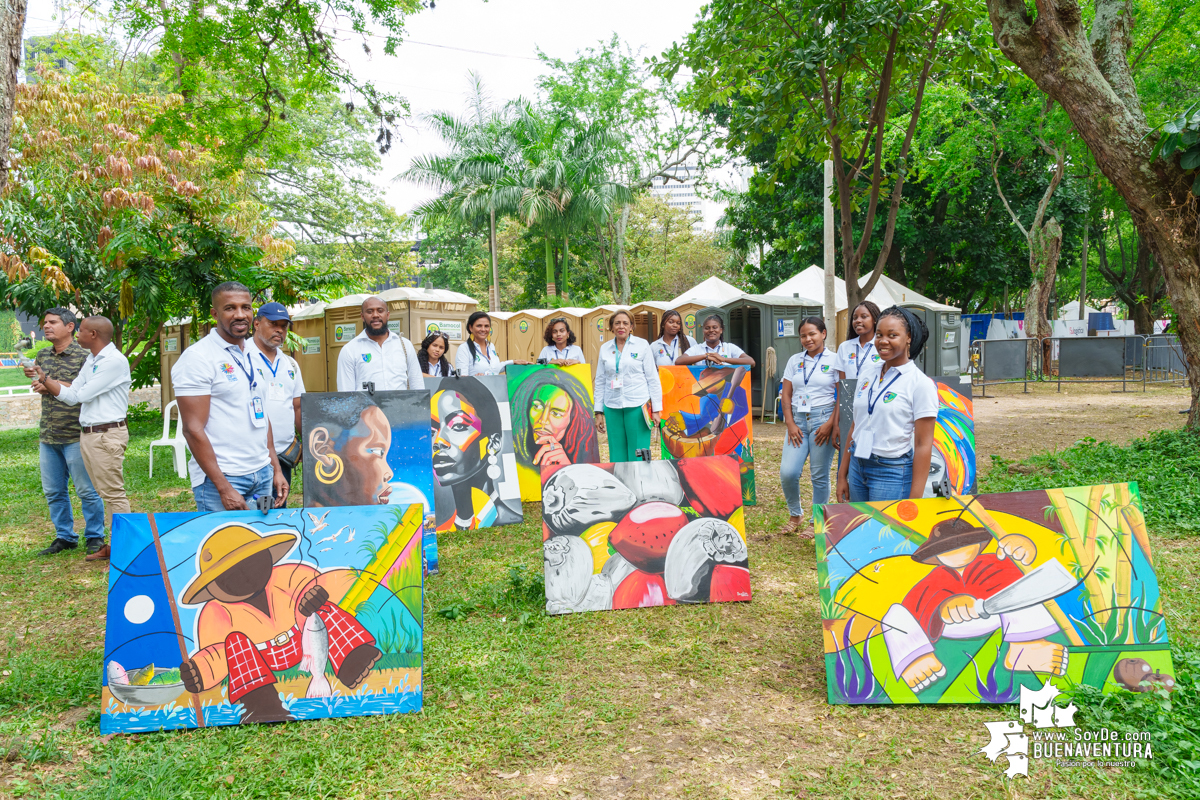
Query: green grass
(702,701)
(13,376)
(1165,464)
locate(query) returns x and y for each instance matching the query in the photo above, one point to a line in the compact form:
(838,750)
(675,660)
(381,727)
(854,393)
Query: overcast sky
(430,69)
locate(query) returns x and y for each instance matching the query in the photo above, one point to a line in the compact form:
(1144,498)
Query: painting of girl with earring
(475,471)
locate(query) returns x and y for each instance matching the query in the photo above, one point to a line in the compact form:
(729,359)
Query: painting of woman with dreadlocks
(964,599)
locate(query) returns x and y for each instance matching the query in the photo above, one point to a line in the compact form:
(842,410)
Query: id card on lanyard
(258,412)
(864,440)
(617,383)
(274,387)
(805,376)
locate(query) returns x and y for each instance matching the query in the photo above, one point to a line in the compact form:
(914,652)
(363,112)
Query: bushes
(1166,466)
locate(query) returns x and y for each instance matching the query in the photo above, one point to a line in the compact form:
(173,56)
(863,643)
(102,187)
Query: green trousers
(627,432)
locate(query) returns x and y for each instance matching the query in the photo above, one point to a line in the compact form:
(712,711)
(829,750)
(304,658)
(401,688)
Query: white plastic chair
(176,443)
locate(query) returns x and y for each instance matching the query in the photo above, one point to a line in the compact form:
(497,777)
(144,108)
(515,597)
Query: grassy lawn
(690,701)
(13,376)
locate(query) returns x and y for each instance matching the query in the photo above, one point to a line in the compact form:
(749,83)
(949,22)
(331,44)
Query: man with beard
(223,412)
(377,355)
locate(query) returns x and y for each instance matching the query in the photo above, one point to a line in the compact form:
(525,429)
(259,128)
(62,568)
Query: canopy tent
(713,290)
(904,296)
(811,283)
(1071,311)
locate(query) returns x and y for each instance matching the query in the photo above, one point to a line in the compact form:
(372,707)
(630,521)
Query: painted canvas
(237,617)
(643,533)
(706,412)
(966,599)
(552,421)
(475,481)
(365,449)
(953,456)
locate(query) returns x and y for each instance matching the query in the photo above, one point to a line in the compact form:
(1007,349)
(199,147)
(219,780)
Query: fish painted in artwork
(314,644)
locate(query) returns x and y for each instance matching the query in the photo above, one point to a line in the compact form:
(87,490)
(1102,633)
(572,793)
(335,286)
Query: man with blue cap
(280,375)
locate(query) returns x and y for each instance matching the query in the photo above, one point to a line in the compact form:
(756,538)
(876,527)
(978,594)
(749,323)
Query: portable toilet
(343,321)
(499,337)
(594,331)
(439,310)
(525,329)
(172,341)
(400,301)
(574,316)
(690,312)
(755,322)
(942,354)
(647,317)
(309,324)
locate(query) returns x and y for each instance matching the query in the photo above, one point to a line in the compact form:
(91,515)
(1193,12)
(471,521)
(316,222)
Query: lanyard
(561,355)
(248,371)
(617,350)
(274,368)
(674,350)
(719,349)
(810,372)
(860,353)
(486,355)
(871,401)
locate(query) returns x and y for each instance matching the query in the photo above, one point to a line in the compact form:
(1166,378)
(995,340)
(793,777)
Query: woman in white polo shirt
(626,377)
(560,349)
(671,340)
(891,441)
(857,353)
(714,349)
(477,356)
(810,411)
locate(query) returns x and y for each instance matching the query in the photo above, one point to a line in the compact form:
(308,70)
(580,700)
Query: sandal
(790,528)
(808,533)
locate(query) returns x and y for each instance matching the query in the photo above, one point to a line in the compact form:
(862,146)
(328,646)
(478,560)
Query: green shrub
(1166,466)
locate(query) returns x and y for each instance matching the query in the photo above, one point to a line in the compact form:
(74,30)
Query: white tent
(903,294)
(712,290)
(1071,311)
(811,283)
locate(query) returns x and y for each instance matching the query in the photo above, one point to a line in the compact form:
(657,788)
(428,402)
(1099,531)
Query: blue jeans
(248,486)
(794,457)
(876,478)
(58,463)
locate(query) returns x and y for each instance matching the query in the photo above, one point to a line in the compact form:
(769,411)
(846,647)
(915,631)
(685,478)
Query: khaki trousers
(104,457)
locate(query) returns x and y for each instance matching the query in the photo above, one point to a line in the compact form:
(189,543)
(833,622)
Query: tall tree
(831,80)
(1089,70)
(12,24)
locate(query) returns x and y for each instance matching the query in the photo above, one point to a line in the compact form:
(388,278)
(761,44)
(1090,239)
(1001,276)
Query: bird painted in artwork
(326,549)
(318,524)
(878,566)
(350,538)
(335,536)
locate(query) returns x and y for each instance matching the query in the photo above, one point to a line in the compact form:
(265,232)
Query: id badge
(864,444)
(258,414)
(617,383)
(803,402)
(275,391)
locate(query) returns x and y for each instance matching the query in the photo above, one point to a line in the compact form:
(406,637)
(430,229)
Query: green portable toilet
(942,353)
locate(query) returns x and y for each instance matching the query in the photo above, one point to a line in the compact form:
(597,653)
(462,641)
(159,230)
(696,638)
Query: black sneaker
(57,546)
(94,546)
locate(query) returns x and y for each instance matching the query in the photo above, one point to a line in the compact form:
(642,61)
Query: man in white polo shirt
(224,413)
(377,355)
(101,390)
(280,374)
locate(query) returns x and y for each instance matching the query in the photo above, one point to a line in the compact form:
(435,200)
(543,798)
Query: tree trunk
(1045,246)
(549,268)
(12,25)
(494,302)
(1147,290)
(566,263)
(1083,271)
(622,267)
(1092,82)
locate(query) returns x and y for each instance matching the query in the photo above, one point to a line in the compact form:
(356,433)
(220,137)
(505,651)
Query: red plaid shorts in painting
(251,668)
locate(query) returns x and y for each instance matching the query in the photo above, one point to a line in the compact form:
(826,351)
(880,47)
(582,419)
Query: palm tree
(476,177)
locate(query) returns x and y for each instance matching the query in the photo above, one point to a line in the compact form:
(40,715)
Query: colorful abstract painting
(365,449)
(643,533)
(953,456)
(474,468)
(706,412)
(237,617)
(552,421)
(966,599)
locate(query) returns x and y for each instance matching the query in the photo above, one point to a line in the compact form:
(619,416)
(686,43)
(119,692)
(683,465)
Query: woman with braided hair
(887,453)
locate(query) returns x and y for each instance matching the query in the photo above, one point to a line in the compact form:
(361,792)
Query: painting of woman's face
(550,414)
(458,438)
(368,476)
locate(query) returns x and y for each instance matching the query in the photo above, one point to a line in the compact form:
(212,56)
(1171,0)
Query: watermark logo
(1056,736)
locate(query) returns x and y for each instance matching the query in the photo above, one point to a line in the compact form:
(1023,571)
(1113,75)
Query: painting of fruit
(641,534)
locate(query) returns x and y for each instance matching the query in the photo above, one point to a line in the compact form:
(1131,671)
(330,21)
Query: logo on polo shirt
(366,357)
(227,368)
(94,368)
(291,374)
(889,397)
(853,356)
(824,368)
(874,356)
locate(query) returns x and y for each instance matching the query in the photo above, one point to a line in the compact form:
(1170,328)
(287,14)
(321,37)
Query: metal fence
(1078,359)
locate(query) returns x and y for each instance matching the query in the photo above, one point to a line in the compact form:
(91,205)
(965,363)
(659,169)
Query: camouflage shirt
(60,422)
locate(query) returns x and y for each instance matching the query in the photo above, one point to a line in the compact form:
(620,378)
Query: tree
(1089,72)
(667,255)
(114,221)
(12,23)
(829,80)
(1138,282)
(653,132)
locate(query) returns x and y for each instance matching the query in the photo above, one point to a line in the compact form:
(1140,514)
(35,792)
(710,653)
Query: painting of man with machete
(966,599)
